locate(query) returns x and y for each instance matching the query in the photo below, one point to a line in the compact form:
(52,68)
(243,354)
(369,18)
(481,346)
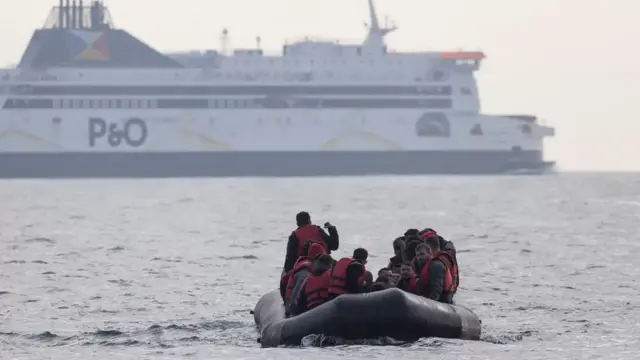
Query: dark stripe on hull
(249,89)
(270,164)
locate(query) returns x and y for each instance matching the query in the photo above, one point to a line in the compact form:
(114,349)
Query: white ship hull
(252,130)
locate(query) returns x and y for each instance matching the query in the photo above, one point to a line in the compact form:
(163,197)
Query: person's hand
(327,225)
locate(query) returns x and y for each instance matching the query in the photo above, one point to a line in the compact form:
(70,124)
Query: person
(412,240)
(305,232)
(349,274)
(446,246)
(384,272)
(408,278)
(422,257)
(292,281)
(316,288)
(395,262)
(436,280)
(381,283)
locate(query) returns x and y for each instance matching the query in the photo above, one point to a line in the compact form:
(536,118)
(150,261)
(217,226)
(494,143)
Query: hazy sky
(572,62)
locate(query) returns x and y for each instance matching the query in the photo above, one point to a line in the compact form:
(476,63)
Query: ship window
(465,91)
(359,51)
(433,125)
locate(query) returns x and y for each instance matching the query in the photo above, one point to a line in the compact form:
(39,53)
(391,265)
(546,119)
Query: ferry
(88,100)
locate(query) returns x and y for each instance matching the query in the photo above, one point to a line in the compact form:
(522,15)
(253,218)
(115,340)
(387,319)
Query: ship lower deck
(267,164)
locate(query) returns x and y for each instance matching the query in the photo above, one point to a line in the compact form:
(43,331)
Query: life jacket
(316,289)
(453,265)
(411,286)
(338,284)
(447,260)
(286,281)
(306,233)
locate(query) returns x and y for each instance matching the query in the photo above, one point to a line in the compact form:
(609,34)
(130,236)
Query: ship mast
(375,38)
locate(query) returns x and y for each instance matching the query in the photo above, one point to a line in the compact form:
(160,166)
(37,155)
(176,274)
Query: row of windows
(268,103)
(231,90)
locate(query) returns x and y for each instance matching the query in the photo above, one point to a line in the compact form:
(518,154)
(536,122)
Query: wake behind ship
(89,100)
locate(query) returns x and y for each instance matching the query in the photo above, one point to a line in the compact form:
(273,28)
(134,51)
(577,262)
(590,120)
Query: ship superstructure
(89,100)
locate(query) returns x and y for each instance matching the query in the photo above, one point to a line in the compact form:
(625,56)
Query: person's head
(406,270)
(361,255)
(422,252)
(313,249)
(411,232)
(385,272)
(322,262)
(433,242)
(380,284)
(425,233)
(303,218)
(398,246)
(410,248)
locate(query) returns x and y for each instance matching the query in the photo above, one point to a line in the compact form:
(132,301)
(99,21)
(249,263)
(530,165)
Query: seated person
(398,249)
(423,255)
(349,275)
(315,291)
(408,278)
(436,279)
(288,281)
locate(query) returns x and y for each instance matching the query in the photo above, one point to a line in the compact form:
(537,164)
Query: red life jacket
(453,266)
(338,284)
(317,289)
(287,279)
(306,233)
(412,284)
(447,260)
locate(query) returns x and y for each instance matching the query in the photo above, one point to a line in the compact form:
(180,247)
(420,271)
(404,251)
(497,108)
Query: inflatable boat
(391,312)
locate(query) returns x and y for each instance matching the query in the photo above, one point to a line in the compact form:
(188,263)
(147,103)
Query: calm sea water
(155,269)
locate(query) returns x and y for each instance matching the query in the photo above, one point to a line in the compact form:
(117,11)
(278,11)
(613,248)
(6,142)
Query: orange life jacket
(338,283)
(317,289)
(306,233)
(447,260)
(287,279)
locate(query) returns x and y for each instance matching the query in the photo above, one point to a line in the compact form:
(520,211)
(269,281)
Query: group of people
(424,263)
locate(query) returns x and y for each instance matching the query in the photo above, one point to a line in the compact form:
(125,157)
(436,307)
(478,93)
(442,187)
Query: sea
(170,269)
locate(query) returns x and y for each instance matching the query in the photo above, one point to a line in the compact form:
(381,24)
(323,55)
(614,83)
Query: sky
(570,62)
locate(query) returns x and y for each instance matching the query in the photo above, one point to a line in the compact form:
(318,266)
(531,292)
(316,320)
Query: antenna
(224,41)
(61,14)
(258,42)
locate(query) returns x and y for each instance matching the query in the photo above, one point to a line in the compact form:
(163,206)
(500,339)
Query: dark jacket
(395,262)
(354,272)
(332,239)
(446,245)
(433,287)
(381,283)
(299,279)
(410,248)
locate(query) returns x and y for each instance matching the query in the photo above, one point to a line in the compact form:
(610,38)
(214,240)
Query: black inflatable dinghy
(391,312)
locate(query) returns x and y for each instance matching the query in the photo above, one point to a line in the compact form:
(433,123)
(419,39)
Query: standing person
(306,232)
